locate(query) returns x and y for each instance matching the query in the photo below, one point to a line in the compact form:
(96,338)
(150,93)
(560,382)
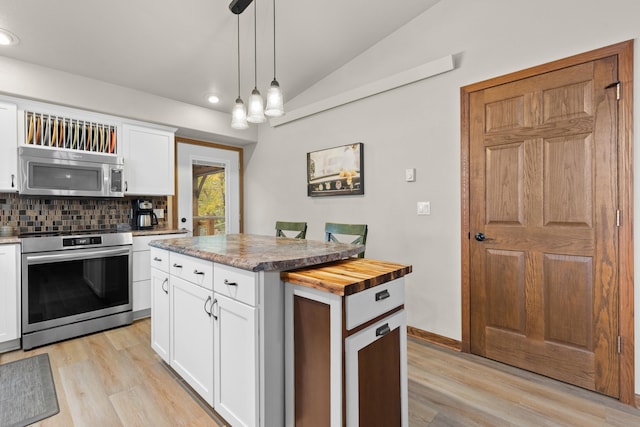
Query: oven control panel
(82,241)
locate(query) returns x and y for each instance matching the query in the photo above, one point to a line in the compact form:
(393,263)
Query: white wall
(418,126)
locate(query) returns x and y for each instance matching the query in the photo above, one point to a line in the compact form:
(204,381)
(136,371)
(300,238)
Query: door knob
(480,237)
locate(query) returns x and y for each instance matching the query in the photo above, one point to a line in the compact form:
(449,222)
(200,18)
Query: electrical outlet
(159,213)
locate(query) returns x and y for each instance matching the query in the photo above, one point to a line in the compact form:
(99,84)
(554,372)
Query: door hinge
(617,217)
(619,344)
(617,86)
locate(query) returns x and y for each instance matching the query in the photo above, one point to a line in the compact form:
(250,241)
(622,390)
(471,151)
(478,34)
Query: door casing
(624,52)
(174,202)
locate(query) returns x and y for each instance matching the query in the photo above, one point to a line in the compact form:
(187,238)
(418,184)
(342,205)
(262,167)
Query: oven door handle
(75,255)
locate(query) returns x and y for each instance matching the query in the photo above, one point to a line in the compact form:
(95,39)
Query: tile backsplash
(28,214)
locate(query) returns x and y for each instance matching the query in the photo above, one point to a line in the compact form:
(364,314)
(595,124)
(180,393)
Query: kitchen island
(221,299)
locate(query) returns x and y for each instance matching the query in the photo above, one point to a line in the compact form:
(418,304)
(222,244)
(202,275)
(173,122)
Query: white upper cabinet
(8,147)
(148,160)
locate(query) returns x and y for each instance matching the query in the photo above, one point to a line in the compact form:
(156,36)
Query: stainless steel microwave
(48,172)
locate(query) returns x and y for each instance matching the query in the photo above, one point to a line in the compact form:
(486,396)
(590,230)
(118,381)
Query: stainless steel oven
(74,285)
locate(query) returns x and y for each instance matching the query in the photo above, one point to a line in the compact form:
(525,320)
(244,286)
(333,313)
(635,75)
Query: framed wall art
(337,171)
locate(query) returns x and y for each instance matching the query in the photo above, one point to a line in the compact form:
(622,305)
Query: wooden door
(543,195)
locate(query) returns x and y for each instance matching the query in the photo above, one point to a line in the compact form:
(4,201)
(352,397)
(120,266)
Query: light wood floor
(113,378)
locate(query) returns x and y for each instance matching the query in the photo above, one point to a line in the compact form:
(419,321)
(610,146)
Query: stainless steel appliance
(74,285)
(64,173)
(143,216)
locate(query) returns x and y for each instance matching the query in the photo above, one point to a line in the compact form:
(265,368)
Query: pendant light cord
(255,43)
(238,55)
(274,39)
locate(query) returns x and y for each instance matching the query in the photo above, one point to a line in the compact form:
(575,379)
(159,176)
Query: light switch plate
(424,208)
(410,175)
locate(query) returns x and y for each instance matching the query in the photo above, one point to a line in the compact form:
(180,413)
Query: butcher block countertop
(259,253)
(347,277)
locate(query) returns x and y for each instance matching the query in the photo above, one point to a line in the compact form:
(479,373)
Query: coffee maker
(142,214)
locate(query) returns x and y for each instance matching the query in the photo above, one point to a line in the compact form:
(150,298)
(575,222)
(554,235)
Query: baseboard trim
(434,338)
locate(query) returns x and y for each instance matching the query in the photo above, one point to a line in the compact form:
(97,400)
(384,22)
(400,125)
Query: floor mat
(27,391)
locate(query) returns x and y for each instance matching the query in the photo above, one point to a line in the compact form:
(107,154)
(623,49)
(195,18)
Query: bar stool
(300,227)
(360,230)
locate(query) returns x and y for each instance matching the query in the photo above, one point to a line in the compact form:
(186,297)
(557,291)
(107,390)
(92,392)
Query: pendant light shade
(255,111)
(275,100)
(239,113)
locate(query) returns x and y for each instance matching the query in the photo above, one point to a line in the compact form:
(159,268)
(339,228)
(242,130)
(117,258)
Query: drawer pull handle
(177,265)
(198,272)
(209,312)
(164,282)
(383,330)
(155,258)
(226,282)
(382,295)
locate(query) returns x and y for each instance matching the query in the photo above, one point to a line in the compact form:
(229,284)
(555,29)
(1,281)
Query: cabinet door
(8,147)
(236,362)
(148,161)
(376,374)
(192,335)
(160,320)
(9,294)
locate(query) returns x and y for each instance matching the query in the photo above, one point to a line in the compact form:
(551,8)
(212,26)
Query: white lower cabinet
(9,296)
(141,281)
(192,335)
(160,313)
(236,361)
(206,324)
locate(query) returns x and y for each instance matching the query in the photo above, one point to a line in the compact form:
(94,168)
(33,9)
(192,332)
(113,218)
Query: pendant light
(256,104)
(239,113)
(275,100)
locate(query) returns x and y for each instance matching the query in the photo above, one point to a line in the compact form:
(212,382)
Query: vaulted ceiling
(185,50)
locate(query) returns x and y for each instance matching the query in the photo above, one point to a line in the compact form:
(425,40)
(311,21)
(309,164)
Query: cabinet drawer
(160,259)
(194,270)
(235,283)
(373,302)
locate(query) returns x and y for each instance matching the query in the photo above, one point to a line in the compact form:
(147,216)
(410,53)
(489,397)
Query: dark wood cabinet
(345,354)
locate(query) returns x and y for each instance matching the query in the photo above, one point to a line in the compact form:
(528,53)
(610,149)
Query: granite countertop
(257,253)
(157,231)
(347,277)
(5,240)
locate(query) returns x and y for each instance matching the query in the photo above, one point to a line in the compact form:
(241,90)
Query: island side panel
(271,332)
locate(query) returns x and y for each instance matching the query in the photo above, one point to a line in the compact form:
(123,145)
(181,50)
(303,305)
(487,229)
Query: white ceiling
(186,49)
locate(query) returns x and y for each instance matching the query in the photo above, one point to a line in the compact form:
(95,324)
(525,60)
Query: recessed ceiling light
(7,37)
(213,99)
